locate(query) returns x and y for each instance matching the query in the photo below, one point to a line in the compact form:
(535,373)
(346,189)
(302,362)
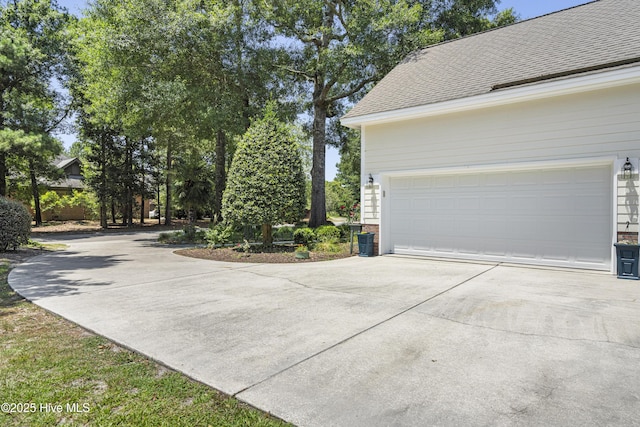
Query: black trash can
(627,256)
(365,244)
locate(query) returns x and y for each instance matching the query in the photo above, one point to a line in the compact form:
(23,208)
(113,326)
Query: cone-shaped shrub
(15,224)
(266,183)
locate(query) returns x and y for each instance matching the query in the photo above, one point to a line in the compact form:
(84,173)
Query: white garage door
(560,217)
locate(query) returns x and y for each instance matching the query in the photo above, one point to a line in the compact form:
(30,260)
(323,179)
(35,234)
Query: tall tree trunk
(3,155)
(318,214)
(167,208)
(103,183)
(130,203)
(267,235)
(113,212)
(130,185)
(36,193)
(103,215)
(3,173)
(142,199)
(158,210)
(220,179)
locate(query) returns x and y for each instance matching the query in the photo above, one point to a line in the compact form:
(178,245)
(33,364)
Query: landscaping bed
(278,254)
(85,226)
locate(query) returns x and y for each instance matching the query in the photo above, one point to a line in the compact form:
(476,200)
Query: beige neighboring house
(509,145)
(73,180)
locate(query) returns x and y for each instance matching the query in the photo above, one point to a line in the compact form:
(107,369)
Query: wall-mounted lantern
(627,169)
(371,178)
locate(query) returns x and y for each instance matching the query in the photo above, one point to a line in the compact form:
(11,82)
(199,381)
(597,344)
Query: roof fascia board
(531,92)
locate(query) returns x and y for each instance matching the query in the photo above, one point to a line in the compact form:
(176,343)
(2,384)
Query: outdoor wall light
(627,169)
(371,178)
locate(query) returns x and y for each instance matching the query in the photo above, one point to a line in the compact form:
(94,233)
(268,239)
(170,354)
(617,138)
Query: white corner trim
(564,86)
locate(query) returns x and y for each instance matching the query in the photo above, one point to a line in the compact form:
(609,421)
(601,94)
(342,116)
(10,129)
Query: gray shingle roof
(600,34)
(63,161)
(73,182)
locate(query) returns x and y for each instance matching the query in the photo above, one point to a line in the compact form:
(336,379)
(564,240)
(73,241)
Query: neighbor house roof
(62,161)
(591,38)
(70,180)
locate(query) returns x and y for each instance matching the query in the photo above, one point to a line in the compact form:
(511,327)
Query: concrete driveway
(384,341)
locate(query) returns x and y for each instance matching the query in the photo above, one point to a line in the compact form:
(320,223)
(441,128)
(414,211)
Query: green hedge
(15,224)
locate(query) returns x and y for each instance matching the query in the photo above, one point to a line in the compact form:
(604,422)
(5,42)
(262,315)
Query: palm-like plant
(193,185)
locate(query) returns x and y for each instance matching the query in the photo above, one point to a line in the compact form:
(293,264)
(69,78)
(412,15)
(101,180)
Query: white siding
(371,204)
(627,190)
(595,124)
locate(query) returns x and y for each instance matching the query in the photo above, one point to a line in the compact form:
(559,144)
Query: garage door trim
(385,180)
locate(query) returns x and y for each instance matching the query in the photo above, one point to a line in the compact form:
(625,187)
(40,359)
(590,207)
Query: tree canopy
(161,88)
(34,51)
(339,49)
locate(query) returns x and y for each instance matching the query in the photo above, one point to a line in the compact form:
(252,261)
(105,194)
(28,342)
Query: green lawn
(53,372)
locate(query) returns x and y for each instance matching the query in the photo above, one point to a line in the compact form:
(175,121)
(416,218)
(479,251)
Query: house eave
(565,86)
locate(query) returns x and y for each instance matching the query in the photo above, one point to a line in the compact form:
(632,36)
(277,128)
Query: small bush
(345,232)
(283,233)
(328,233)
(331,247)
(304,236)
(190,234)
(15,224)
(87,201)
(218,235)
(173,237)
(52,202)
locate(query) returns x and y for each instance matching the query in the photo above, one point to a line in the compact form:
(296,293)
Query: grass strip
(53,372)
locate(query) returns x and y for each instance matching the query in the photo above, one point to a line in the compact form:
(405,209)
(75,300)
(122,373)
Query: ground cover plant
(276,254)
(53,372)
(324,243)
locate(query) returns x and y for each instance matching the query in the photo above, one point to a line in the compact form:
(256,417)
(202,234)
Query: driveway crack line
(349,338)
(526,334)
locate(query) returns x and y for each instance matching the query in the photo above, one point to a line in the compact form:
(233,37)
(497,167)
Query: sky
(525,9)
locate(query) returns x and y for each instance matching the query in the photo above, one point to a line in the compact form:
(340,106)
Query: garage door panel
(525,178)
(467,203)
(590,205)
(524,204)
(496,180)
(554,216)
(447,181)
(401,205)
(494,203)
(523,250)
(495,247)
(443,203)
(469,181)
(557,177)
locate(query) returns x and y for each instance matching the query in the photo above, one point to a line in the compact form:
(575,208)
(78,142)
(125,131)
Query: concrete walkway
(384,341)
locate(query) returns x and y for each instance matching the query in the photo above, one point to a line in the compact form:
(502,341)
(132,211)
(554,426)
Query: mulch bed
(73,227)
(278,255)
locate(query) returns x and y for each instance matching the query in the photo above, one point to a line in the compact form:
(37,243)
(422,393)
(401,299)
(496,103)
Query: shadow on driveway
(48,275)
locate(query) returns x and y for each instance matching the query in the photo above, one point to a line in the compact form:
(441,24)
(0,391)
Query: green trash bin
(628,258)
(365,244)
